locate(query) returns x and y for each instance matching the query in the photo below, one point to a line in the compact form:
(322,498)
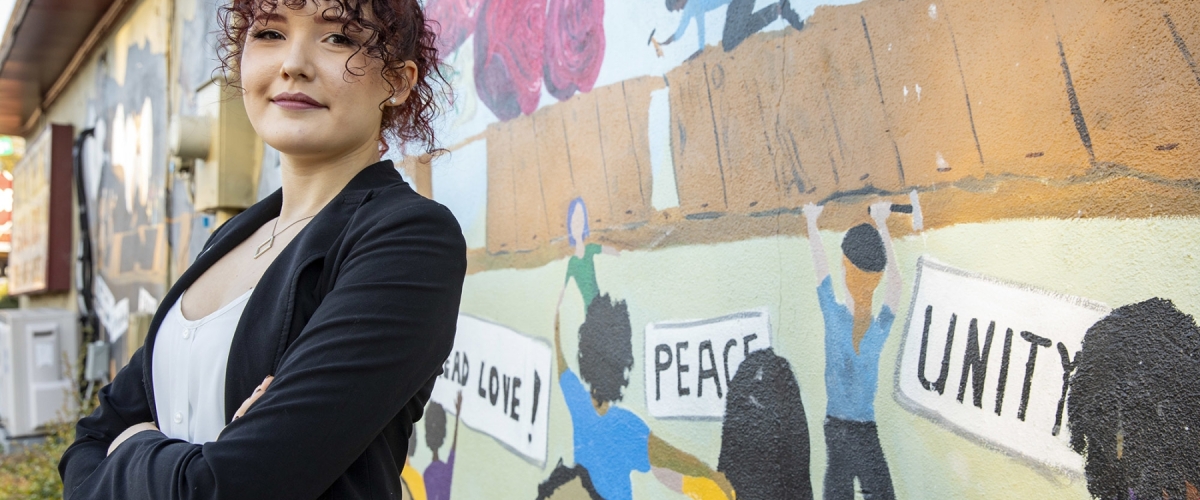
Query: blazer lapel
(260,338)
(268,320)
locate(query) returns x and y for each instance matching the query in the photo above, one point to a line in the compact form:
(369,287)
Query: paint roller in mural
(610,442)
(1134,403)
(521,43)
(853,342)
(741,20)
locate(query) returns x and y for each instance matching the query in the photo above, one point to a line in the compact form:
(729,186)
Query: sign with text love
(992,361)
(504,378)
(689,364)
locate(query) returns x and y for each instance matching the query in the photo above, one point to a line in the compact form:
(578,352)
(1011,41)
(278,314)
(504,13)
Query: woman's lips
(296,101)
(295,105)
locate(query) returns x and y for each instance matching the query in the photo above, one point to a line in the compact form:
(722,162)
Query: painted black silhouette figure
(764,438)
(1134,403)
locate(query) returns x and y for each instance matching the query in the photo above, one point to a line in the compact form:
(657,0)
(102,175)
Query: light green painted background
(1113,261)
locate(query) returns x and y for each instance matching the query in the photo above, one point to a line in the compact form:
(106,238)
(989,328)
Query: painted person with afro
(1134,405)
(439,474)
(610,442)
(854,339)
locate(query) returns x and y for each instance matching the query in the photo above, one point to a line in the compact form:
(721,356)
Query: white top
(189,363)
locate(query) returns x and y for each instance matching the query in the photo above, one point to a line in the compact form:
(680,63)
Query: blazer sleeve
(378,336)
(122,403)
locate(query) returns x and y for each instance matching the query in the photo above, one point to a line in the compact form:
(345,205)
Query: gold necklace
(266,245)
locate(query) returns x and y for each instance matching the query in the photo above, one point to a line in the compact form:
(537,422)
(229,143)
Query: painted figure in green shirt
(580,266)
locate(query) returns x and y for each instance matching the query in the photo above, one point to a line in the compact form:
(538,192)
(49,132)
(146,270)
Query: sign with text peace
(504,378)
(689,364)
(992,361)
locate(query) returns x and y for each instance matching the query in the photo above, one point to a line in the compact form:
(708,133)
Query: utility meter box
(227,177)
(37,347)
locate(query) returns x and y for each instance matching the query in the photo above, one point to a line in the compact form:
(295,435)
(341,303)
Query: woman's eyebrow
(268,17)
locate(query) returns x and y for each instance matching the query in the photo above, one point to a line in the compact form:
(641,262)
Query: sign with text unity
(504,378)
(992,361)
(689,364)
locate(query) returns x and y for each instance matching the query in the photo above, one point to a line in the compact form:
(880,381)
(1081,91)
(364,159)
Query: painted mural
(145,231)
(755,249)
(820,249)
(124,173)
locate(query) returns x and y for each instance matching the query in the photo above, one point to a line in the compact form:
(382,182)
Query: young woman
(314,323)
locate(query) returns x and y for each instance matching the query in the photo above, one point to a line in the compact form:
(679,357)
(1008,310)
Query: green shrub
(32,473)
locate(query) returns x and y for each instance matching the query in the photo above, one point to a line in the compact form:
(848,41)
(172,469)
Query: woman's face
(297,52)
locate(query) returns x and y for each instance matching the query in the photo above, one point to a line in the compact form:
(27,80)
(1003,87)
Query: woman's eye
(267,35)
(341,39)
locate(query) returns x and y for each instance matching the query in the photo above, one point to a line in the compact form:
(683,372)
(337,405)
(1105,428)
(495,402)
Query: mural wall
(820,249)
(144,229)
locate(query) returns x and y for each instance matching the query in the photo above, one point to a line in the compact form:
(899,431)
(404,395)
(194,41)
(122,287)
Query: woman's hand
(128,433)
(258,392)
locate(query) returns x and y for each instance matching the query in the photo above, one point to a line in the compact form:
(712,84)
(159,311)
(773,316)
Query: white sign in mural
(993,360)
(504,378)
(689,364)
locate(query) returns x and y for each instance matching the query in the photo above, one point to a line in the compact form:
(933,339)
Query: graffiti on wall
(732,204)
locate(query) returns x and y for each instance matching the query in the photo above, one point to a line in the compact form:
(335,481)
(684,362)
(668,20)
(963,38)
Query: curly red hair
(399,32)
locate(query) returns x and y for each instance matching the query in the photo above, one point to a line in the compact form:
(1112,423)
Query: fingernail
(235,417)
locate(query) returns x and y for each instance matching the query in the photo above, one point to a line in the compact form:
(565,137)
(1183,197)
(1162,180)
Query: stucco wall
(1050,147)
(144,230)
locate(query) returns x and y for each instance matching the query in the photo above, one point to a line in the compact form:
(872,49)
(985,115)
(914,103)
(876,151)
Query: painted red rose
(508,55)
(574,46)
(455,21)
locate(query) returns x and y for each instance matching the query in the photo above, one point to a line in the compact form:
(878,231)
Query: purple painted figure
(439,475)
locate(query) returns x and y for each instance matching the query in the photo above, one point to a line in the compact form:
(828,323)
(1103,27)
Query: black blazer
(354,318)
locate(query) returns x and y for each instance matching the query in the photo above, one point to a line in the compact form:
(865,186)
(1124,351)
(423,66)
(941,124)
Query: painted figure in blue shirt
(612,442)
(854,339)
(741,20)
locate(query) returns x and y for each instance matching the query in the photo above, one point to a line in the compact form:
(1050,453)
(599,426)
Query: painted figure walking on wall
(610,442)
(439,475)
(741,20)
(853,342)
(1134,405)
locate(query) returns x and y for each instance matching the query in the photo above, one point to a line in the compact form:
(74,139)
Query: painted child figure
(853,342)
(610,442)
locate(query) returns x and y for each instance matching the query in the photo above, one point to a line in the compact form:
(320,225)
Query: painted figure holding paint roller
(854,339)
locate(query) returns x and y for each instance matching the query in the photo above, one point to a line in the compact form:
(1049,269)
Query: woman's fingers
(258,392)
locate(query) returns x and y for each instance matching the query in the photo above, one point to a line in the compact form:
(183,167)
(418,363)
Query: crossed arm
(370,347)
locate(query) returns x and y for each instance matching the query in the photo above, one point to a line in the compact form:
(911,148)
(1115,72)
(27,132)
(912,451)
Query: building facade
(676,287)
